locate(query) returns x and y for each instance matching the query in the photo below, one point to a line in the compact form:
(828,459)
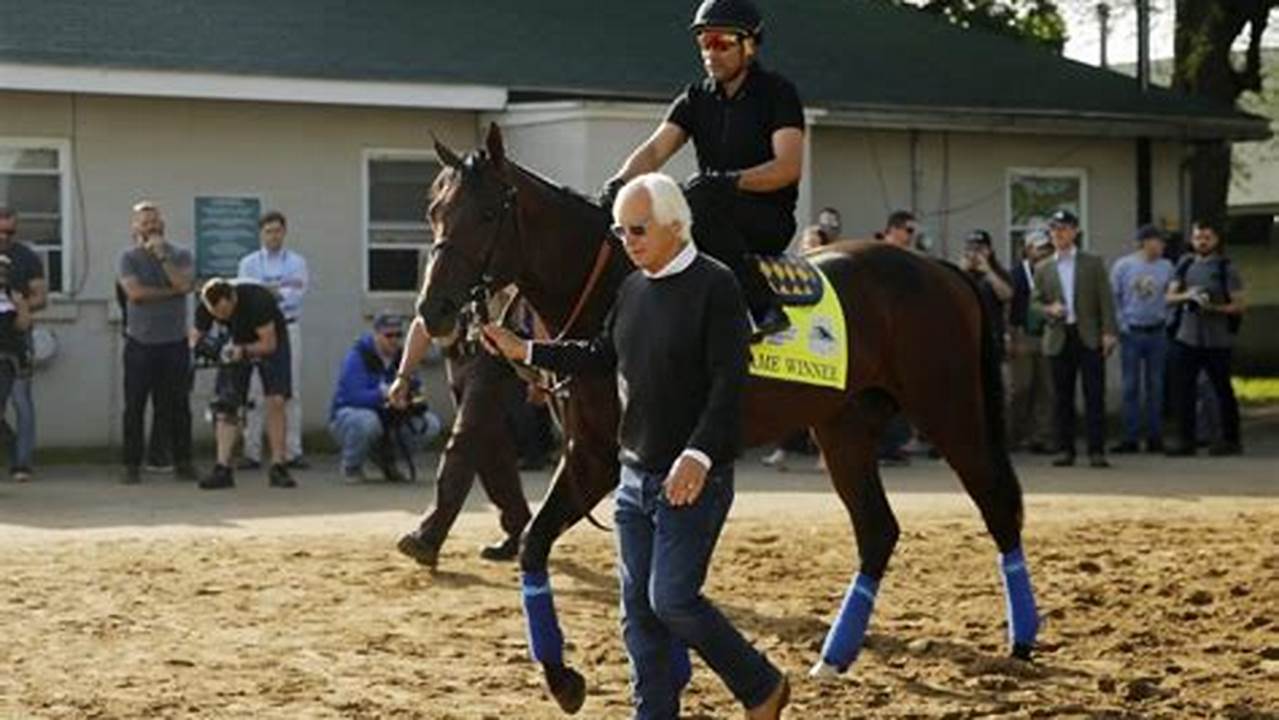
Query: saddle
(794,279)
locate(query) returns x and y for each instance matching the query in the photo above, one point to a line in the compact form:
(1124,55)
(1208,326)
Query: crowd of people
(1172,317)
(1060,314)
(248,329)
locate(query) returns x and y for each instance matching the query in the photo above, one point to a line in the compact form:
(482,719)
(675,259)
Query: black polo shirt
(737,133)
(255,306)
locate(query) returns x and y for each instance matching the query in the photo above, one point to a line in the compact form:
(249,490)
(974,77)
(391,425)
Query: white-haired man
(677,338)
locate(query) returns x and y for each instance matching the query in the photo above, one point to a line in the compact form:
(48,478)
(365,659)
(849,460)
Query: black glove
(714,181)
(608,192)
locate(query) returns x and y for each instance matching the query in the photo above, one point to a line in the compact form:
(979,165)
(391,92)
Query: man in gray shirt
(1208,297)
(156,278)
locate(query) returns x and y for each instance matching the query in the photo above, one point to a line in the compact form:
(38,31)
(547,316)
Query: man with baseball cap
(1030,424)
(1073,292)
(1140,281)
(359,419)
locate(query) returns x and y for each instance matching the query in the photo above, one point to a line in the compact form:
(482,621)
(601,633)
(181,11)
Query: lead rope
(557,394)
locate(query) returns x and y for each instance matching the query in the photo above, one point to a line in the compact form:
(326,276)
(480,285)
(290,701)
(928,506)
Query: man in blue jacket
(358,417)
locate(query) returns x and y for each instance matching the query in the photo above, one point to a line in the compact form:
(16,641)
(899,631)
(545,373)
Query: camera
(212,349)
(416,408)
(1199,297)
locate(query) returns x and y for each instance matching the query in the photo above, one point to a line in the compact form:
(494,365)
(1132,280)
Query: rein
(602,256)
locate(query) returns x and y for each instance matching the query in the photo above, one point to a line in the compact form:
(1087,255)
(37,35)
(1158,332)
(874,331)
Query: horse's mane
(449,177)
(558,189)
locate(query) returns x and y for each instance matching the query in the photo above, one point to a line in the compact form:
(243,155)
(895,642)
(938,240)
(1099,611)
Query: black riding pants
(481,444)
(729,225)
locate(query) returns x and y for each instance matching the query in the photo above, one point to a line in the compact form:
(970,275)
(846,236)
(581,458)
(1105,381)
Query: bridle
(486,279)
(557,388)
(483,265)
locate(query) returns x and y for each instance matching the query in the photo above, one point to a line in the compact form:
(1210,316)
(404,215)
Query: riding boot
(732,228)
(771,322)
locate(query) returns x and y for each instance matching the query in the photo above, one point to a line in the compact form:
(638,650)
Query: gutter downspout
(1144,212)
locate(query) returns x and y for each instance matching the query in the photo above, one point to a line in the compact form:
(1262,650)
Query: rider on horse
(747,126)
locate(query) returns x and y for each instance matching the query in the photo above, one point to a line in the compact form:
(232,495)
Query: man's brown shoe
(771,709)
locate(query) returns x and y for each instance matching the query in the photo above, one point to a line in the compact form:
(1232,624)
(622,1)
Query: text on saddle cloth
(814,349)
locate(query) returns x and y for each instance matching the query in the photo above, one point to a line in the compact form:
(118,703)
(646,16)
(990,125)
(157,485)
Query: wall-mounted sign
(226,229)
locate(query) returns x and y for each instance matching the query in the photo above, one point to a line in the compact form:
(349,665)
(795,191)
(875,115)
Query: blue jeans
(1144,357)
(24,411)
(358,429)
(664,553)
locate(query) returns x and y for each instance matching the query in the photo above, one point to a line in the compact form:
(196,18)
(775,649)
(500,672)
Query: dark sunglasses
(621,232)
(393,335)
(718,41)
(910,229)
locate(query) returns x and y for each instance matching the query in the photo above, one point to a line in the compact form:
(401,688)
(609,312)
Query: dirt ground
(1158,583)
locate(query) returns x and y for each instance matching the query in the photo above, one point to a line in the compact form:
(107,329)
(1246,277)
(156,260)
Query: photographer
(26,278)
(155,278)
(15,320)
(361,420)
(994,283)
(258,337)
(1207,295)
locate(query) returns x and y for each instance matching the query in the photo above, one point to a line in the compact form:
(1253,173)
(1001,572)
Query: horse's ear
(446,156)
(494,144)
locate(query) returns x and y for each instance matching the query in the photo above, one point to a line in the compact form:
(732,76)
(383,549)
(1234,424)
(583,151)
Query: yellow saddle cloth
(814,349)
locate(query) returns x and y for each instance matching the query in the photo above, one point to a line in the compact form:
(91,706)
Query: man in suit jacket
(1073,292)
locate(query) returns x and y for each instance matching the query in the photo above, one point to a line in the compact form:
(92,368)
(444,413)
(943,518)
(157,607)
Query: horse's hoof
(824,671)
(1021,651)
(568,687)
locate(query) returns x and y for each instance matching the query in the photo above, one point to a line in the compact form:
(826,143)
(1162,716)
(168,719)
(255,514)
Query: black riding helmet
(740,15)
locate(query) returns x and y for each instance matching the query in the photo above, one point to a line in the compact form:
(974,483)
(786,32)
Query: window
(396,232)
(33,183)
(1034,194)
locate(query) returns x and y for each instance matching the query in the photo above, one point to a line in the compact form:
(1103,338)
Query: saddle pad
(814,349)
(794,279)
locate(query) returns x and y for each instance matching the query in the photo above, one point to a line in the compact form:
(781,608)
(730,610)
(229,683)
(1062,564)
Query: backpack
(1233,322)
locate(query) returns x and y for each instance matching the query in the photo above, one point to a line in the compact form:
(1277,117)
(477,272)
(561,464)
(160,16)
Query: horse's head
(473,215)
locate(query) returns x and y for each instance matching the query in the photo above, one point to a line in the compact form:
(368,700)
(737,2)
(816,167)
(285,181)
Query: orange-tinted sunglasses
(718,41)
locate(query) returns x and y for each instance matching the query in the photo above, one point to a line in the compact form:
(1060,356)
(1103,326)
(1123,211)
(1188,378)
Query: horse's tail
(1004,483)
(1004,478)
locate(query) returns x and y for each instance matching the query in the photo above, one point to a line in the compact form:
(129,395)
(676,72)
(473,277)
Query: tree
(1205,34)
(1038,21)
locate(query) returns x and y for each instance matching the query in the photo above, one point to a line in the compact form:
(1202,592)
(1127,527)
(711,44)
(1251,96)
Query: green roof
(842,54)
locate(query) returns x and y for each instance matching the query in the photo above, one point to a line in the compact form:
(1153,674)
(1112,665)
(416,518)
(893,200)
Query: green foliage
(1038,21)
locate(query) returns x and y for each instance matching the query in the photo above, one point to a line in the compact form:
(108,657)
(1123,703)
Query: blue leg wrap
(681,666)
(545,641)
(1023,620)
(844,640)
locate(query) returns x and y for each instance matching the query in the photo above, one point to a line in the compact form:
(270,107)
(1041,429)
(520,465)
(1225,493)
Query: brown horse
(919,342)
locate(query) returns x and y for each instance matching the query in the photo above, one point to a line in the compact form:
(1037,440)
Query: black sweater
(679,345)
